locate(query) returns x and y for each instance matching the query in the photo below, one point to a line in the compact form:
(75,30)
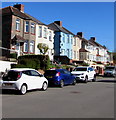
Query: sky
(94,19)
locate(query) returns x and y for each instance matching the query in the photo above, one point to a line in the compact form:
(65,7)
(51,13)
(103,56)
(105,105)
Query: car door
(68,77)
(28,79)
(91,73)
(37,79)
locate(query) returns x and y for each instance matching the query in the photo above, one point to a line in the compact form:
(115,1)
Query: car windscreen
(80,69)
(50,72)
(109,68)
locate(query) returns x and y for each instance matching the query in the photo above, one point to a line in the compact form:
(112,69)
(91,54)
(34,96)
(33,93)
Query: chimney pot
(20,7)
(58,23)
(93,39)
(80,34)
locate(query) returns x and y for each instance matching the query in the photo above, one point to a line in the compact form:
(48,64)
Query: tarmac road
(91,100)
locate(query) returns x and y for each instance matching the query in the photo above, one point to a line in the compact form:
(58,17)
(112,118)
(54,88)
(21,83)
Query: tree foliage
(43,48)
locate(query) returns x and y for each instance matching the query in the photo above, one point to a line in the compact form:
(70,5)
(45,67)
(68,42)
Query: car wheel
(45,86)
(94,79)
(23,89)
(61,83)
(86,79)
(74,82)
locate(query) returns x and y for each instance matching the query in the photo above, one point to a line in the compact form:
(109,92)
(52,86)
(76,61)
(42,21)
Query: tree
(43,48)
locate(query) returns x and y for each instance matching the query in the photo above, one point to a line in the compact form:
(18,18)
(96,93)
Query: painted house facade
(76,47)
(63,42)
(46,36)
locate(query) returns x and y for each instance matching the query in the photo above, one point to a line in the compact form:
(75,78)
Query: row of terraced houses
(22,33)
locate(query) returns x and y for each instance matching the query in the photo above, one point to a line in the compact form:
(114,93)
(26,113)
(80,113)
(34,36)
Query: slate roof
(57,28)
(97,44)
(14,11)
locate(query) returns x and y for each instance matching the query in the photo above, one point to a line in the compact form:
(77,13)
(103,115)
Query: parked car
(24,79)
(59,77)
(110,71)
(84,74)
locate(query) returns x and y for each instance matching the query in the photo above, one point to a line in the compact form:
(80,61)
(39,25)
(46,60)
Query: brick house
(18,31)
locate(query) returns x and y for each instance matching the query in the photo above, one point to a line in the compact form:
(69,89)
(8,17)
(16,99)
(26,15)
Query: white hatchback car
(24,79)
(84,74)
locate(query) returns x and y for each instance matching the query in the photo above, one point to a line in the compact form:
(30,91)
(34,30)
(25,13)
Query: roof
(14,11)
(58,28)
(97,44)
(18,38)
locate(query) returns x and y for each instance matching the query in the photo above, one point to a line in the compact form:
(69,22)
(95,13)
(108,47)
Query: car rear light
(58,74)
(19,75)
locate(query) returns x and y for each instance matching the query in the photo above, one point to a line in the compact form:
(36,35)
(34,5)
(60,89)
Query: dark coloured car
(110,71)
(59,77)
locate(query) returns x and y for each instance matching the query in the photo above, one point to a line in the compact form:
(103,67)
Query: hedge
(33,61)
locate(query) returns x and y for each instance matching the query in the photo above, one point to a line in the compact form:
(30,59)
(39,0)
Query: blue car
(59,77)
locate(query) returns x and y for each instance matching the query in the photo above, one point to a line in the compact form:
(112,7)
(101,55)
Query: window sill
(45,37)
(17,30)
(25,52)
(32,33)
(26,32)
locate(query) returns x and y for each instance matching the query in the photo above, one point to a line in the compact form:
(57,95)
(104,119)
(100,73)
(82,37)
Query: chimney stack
(80,34)
(93,39)
(20,7)
(58,23)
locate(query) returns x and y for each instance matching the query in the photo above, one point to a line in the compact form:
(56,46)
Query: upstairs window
(45,33)
(18,24)
(40,31)
(33,28)
(63,38)
(74,41)
(71,39)
(50,36)
(26,26)
(68,40)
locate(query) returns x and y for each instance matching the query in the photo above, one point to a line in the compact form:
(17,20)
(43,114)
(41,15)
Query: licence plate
(7,84)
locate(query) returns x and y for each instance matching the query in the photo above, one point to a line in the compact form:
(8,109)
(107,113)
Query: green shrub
(34,61)
(13,55)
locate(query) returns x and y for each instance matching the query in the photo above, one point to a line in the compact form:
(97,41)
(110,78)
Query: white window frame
(63,37)
(74,41)
(26,46)
(50,36)
(68,38)
(26,26)
(18,24)
(40,31)
(32,46)
(45,32)
(32,28)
